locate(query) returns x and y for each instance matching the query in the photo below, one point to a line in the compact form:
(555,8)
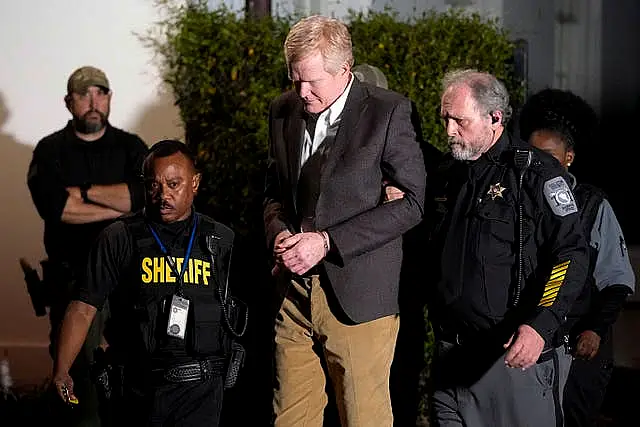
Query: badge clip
(178,313)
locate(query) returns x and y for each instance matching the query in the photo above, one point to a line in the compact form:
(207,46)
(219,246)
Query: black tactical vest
(139,311)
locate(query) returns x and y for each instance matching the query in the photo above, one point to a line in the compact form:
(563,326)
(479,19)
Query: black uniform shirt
(475,241)
(63,160)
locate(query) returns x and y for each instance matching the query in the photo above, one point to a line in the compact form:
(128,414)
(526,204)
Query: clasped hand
(299,252)
(524,348)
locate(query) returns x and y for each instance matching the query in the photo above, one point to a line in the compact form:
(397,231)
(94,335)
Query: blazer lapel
(294,138)
(355,106)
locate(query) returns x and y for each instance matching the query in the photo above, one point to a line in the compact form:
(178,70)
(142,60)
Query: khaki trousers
(357,357)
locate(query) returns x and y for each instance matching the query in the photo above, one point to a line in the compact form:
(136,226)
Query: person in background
(81,178)
(560,122)
(370,74)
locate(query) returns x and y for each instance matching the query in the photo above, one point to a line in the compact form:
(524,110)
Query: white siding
(578,34)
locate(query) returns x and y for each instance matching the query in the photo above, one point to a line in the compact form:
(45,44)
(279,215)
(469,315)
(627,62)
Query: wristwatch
(83,192)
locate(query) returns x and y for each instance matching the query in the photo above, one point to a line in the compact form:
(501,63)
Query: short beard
(467,151)
(84,126)
(461,151)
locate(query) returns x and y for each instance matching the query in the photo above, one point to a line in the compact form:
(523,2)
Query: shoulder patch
(559,196)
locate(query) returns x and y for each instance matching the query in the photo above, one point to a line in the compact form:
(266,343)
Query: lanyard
(171,261)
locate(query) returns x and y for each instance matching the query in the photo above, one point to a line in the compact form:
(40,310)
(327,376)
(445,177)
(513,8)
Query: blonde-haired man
(337,249)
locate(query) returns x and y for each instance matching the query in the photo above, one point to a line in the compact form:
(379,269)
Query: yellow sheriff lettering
(206,272)
(179,262)
(169,277)
(197,268)
(147,275)
(157,270)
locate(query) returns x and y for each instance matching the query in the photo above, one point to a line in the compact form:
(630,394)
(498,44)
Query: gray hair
(489,93)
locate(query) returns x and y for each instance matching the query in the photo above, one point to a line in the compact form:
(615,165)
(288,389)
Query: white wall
(42,42)
(407,8)
(533,20)
(578,47)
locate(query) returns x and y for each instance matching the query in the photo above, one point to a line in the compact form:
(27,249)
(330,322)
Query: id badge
(178,311)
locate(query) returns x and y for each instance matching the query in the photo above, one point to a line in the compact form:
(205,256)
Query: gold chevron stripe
(554,283)
(549,297)
(550,292)
(558,273)
(562,264)
(555,274)
(552,287)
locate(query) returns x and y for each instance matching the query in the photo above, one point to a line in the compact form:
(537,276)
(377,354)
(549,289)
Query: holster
(36,289)
(235,311)
(236,362)
(107,376)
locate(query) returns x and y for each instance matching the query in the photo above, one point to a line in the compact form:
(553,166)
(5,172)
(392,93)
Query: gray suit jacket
(376,140)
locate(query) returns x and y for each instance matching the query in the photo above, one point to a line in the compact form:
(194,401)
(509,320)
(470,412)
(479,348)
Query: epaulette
(545,165)
(592,190)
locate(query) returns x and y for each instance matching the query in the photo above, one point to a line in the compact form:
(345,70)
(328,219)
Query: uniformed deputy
(164,272)
(506,259)
(556,121)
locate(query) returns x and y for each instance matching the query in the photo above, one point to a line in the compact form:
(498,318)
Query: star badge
(495,190)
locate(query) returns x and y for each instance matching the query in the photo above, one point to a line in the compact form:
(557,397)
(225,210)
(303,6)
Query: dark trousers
(192,404)
(408,363)
(493,395)
(585,390)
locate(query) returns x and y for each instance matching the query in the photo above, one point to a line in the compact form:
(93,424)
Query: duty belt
(455,337)
(197,370)
(460,339)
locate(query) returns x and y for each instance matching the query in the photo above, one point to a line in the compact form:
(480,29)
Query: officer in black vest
(555,121)
(164,272)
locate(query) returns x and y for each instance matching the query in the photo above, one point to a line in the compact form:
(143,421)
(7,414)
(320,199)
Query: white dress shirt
(329,118)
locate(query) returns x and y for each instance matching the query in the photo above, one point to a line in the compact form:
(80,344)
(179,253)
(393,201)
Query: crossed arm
(57,202)
(105,202)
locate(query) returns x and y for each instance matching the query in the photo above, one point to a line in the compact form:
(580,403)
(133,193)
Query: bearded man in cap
(81,178)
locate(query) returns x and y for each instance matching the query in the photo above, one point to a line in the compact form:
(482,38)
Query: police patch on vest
(560,197)
(157,270)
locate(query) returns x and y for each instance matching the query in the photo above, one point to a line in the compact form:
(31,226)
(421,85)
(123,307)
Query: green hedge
(415,54)
(224,70)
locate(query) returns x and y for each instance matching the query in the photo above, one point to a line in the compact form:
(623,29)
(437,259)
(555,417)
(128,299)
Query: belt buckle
(206,369)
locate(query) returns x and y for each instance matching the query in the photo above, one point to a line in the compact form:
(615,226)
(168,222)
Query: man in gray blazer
(337,247)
